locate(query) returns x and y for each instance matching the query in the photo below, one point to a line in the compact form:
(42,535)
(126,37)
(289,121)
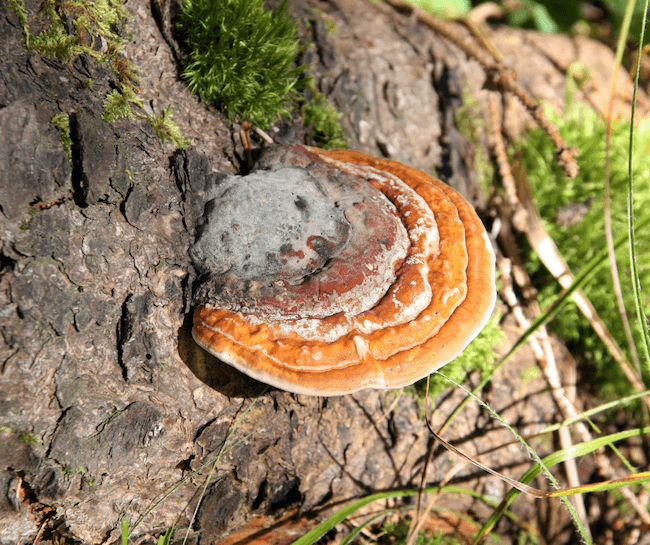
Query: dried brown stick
(566,407)
(517,211)
(541,346)
(525,218)
(552,259)
(550,256)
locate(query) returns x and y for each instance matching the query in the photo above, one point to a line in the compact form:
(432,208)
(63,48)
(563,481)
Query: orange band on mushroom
(442,296)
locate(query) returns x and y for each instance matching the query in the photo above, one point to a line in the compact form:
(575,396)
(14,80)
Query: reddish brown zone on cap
(463,294)
(348,268)
(290,252)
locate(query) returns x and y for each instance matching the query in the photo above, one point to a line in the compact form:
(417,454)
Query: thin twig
(244,134)
(264,135)
(550,256)
(40,533)
(540,344)
(518,212)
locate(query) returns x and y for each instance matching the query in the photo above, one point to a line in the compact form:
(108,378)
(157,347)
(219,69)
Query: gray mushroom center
(282,225)
(298,241)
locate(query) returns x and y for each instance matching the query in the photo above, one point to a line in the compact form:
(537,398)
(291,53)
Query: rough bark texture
(105,401)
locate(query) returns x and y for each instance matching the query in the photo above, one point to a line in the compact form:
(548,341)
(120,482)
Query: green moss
(480,355)
(118,105)
(24,436)
(62,123)
(579,242)
(75,27)
(54,41)
(167,129)
(323,117)
(242,58)
(90,483)
(88,20)
(18,7)
(29,438)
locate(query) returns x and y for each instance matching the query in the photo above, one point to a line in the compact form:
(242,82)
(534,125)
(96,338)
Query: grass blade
(636,284)
(558,457)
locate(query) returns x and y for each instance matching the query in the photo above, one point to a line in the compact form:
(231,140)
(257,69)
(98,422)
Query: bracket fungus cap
(328,271)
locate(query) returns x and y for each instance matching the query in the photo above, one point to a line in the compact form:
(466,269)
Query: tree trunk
(106,403)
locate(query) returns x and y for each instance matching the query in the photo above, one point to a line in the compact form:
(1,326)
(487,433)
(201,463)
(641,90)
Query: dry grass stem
(264,135)
(609,236)
(550,256)
(541,346)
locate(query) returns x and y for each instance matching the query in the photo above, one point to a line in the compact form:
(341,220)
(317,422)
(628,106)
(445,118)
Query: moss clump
(74,27)
(167,129)
(62,123)
(18,7)
(118,105)
(323,117)
(77,27)
(581,241)
(242,58)
(479,356)
(29,438)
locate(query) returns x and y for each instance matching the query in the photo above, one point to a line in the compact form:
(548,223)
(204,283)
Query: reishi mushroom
(326,272)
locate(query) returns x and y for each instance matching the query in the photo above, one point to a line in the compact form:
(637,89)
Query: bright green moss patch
(94,28)
(480,355)
(18,7)
(242,58)
(326,129)
(583,127)
(167,129)
(74,27)
(62,123)
(85,27)
(118,105)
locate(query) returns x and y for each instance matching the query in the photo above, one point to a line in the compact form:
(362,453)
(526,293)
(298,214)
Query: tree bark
(105,401)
